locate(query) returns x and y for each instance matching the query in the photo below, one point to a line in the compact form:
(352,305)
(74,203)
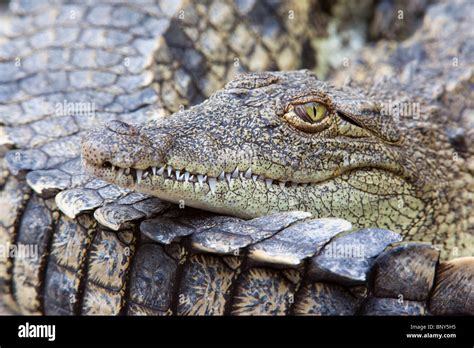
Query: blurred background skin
(3,14)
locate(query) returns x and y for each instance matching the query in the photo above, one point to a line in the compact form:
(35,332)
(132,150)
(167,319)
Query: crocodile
(278,142)
(388,154)
(381,155)
(95,255)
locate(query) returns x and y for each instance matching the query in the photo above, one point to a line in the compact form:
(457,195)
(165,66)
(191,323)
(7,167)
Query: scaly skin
(130,61)
(85,269)
(360,165)
(408,171)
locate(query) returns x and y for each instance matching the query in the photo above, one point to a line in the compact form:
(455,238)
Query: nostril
(122,128)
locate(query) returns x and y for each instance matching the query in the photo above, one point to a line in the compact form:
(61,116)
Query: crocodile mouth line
(170,173)
(167,172)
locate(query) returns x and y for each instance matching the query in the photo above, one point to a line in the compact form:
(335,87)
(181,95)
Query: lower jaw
(237,199)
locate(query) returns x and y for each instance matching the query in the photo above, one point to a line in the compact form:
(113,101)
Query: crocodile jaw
(363,170)
(345,196)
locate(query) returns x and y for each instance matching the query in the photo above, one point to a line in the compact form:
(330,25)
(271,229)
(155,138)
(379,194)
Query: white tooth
(282,184)
(241,175)
(153,169)
(268,182)
(248,173)
(191,178)
(161,170)
(228,178)
(186,176)
(212,184)
(235,174)
(127,171)
(113,168)
(200,179)
(145,175)
(254,178)
(169,169)
(120,172)
(178,175)
(139,175)
(221,176)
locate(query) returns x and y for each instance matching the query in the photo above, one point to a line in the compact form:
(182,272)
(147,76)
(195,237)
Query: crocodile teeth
(248,173)
(120,172)
(113,168)
(254,178)
(235,174)
(145,175)
(221,176)
(169,169)
(127,171)
(268,182)
(139,175)
(179,177)
(282,184)
(200,179)
(161,170)
(186,176)
(212,184)
(228,178)
(153,169)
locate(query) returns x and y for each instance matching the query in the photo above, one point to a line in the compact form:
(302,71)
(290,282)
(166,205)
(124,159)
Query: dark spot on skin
(457,139)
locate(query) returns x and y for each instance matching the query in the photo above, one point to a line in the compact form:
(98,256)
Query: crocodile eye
(311,112)
(311,117)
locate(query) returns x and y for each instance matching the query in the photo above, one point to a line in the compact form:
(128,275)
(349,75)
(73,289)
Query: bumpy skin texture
(342,170)
(85,268)
(239,154)
(116,61)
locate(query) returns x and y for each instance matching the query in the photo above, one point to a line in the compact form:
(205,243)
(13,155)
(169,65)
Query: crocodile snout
(122,145)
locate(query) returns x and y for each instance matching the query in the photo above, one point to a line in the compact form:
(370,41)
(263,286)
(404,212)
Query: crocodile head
(272,142)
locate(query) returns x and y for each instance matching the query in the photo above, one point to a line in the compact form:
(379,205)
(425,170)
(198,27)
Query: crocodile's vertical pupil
(311,112)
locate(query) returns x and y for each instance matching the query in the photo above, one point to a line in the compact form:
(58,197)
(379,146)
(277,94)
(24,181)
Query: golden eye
(311,112)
